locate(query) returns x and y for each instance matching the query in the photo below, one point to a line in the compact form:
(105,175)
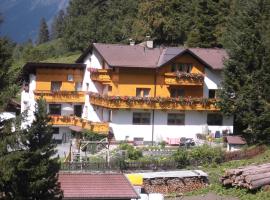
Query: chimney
(131,42)
(149,42)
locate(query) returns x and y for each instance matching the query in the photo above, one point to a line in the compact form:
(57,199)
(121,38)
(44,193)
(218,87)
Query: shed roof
(235,140)
(96,186)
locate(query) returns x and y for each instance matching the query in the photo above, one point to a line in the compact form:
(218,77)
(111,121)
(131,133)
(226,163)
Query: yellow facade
(125,81)
(44,77)
(67,93)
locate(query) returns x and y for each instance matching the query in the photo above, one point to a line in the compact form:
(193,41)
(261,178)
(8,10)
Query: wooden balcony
(100,75)
(98,127)
(61,96)
(184,79)
(149,103)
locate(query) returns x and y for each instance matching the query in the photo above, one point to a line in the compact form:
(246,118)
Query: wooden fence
(244,154)
(119,165)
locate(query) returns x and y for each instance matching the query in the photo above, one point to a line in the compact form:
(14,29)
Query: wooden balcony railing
(98,127)
(61,96)
(159,103)
(100,75)
(178,78)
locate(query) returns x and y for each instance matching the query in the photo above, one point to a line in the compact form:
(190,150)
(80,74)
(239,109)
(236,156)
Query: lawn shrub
(181,157)
(133,153)
(206,154)
(200,155)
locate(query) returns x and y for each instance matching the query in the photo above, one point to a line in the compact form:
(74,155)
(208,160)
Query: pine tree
(245,90)
(58,25)
(208,19)
(30,171)
(166,21)
(43,35)
(8,87)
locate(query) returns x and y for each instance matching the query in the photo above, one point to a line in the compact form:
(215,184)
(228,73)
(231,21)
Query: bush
(206,154)
(133,154)
(181,157)
(200,155)
(162,144)
(92,136)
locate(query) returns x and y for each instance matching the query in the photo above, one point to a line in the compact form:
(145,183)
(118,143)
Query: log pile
(250,177)
(173,185)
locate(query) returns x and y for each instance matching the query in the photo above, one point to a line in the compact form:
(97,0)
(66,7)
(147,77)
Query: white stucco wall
(90,112)
(64,134)
(212,80)
(28,102)
(195,122)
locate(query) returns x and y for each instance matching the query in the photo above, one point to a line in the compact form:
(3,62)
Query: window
(109,88)
(176,119)
(214,119)
(55,130)
(55,109)
(78,110)
(181,67)
(141,118)
(142,92)
(56,86)
(212,94)
(177,92)
(78,86)
(70,77)
(87,86)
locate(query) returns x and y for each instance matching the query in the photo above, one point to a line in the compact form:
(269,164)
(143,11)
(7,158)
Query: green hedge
(200,155)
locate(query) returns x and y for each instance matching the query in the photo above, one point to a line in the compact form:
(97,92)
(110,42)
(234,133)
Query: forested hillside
(199,23)
(195,23)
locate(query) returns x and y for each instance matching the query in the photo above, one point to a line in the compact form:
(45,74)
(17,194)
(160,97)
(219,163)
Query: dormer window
(182,67)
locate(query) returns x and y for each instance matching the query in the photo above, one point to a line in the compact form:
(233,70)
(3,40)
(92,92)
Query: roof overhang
(30,67)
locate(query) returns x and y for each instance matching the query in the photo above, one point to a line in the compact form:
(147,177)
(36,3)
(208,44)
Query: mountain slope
(22,17)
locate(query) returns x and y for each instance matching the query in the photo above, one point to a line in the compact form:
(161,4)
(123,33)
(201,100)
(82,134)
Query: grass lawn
(216,171)
(64,59)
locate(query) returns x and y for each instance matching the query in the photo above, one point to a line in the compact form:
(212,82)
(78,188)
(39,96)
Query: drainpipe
(153,111)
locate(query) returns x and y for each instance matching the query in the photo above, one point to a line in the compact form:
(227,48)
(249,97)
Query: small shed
(235,143)
(96,186)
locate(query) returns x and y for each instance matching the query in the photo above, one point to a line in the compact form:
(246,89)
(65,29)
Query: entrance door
(78,110)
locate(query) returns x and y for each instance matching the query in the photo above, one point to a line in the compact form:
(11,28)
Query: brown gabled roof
(213,57)
(96,186)
(117,55)
(235,140)
(120,55)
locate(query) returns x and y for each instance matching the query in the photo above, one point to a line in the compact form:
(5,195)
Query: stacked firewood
(250,177)
(173,185)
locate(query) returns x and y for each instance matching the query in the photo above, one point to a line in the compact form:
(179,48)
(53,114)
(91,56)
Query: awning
(75,128)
